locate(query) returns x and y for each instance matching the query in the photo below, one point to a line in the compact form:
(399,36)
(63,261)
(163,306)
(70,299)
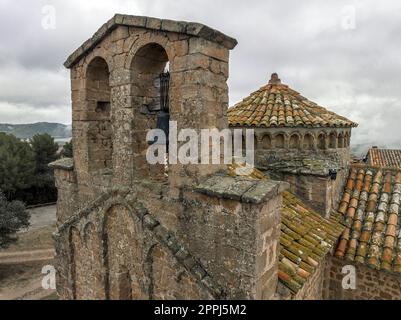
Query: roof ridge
(374,167)
(191,28)
(275,105)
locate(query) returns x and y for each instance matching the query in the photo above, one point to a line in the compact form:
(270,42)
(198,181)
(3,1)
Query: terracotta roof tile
(384,157)
(305,237)
(277,105)
(373,233)
(312,236)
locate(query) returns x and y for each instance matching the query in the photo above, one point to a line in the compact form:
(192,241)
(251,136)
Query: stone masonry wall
(370,284)
(314,287)
(232,246)
(66,183)
(335,188)
(238,241)
(112,250)
(320,193)
(311,189)
(286,154)
(235,244)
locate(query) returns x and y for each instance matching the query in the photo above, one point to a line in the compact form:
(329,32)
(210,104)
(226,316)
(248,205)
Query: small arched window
(346,140)
(332,140)
(294,141)
(266,142)
(279,141)
(340,142)
(308,141)
(321,141)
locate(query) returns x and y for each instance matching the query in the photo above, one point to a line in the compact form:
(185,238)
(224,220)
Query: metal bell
(163,117)
(162,123)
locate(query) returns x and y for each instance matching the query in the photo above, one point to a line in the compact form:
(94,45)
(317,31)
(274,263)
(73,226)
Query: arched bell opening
(279,141)
(98,108)
(150,89)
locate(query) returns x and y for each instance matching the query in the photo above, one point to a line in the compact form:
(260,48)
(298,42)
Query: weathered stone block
(199,271)
(137,21)
(173,26)
(121,32)
(200,45)
(182,254)
(153,23)
(150,222)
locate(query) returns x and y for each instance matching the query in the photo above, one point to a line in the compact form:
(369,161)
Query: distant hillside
(26,131)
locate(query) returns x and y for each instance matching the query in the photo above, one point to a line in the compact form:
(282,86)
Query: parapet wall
(220,240)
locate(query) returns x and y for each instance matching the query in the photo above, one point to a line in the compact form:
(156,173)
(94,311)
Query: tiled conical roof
(277,105)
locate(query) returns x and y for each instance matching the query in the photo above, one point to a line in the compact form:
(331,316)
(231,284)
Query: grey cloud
(352,72)
(22,113)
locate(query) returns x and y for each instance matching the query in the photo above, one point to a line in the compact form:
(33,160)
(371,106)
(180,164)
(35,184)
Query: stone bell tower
(115,97)
(129,229)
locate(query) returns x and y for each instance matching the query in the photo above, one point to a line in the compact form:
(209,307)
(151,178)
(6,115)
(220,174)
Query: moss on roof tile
(305,236)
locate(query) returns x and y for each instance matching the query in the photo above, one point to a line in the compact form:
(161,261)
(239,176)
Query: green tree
(45,150)
(17,165)
(67,151)
(13,217)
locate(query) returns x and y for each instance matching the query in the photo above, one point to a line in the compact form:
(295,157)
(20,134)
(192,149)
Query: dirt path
(24,280)
(41,217)
(26,256)
(32,290)
(22,262)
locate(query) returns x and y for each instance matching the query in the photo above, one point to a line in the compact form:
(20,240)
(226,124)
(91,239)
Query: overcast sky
(344,55)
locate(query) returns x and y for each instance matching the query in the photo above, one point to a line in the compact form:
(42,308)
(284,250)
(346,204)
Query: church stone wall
(370,284)
(303,157)
(110,251)
(320,193)
(237,241)
(117,249)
